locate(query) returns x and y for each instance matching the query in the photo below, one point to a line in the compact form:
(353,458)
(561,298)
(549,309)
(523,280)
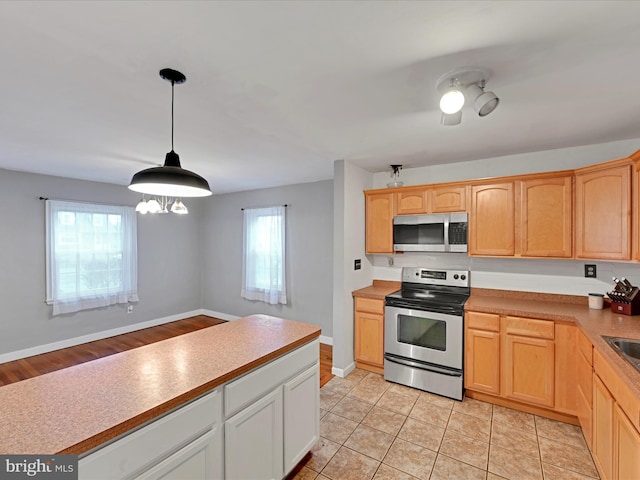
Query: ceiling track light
(462,84)
(170,180)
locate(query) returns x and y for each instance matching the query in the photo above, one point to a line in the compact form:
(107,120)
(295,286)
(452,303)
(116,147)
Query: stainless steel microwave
(439,232)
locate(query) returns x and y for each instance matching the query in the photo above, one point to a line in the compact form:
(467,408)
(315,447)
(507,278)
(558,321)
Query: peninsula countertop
(76,409)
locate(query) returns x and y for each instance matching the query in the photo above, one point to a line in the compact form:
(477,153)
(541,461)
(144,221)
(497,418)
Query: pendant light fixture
(170,180)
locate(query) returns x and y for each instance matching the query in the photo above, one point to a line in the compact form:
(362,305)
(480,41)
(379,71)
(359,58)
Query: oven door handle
(420,365)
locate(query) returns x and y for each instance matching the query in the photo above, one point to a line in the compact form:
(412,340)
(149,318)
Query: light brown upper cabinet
(411,201)
(603,212)
(546,217)
(491,219)
(379,222)
(439,199)
(449,198)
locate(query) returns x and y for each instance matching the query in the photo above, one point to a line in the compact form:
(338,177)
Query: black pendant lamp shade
(170,180)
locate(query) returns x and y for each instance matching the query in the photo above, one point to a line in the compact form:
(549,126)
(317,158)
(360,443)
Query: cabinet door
(546,217)
(201,459)
(584,396)
(491,220)
(449,199)
(379,223)
(254,440)
(411,201)
(626,447)
(566,368)
(602,428)
(482,361)
(301,416)
(603,216)
(369,338)
(528,369)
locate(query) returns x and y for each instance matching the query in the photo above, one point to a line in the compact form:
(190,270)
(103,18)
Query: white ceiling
(278,90)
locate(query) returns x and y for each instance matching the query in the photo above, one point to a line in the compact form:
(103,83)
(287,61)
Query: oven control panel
(427,276)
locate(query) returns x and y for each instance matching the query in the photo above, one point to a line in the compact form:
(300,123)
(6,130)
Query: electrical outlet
(357,264)
(590,271)
(129,308)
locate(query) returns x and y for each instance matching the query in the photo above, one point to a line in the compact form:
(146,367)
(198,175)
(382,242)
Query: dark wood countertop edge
(138,421)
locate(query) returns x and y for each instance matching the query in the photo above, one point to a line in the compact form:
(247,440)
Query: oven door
(431,337)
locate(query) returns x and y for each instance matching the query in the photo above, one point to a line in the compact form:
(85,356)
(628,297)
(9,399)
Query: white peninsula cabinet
(273,416)
(257,426)
(185,444)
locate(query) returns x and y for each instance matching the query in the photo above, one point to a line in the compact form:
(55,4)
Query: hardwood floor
(29,367)
(326,361)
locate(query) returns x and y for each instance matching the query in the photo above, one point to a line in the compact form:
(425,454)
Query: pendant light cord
(172,84)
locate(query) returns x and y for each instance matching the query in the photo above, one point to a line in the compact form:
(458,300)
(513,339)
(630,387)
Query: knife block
(632,308)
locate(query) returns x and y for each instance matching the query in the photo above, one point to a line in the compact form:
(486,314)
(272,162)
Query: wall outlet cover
(590,271)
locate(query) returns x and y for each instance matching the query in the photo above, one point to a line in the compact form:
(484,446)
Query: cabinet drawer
(255,384)
(529,327)
(585,347)
(153,442)
(483,321)
(371,305)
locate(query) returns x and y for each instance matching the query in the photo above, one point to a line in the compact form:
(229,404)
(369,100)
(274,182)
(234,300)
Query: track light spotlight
(483,102)
(452,101)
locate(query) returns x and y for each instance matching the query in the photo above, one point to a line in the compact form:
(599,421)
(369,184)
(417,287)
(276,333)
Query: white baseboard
(50,347)
(326,340)
(220,315)
(343,372)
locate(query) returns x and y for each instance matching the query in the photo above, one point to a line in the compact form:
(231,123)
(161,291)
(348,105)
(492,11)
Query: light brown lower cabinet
(369,334)
(515,358)
(626,447)
(602,428)
(584,392)
(528,362)
(482,366)
(616,426)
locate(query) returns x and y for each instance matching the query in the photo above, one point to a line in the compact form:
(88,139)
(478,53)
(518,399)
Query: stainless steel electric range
(424,331)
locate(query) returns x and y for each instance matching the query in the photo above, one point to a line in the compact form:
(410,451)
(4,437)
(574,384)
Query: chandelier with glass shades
(166,185)
(161,204)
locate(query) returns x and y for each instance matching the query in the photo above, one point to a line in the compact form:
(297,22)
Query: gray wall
(309,253)
(349,183)
(169,254)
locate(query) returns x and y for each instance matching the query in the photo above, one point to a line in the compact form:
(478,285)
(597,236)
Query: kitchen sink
(628,348)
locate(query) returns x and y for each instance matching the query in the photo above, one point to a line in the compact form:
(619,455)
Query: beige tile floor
(373,429)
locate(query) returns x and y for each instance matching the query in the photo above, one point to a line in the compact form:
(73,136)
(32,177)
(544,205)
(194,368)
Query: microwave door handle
(420,366)
(447,248)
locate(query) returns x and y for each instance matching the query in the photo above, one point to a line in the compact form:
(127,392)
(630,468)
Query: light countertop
(78,408)
(379,289)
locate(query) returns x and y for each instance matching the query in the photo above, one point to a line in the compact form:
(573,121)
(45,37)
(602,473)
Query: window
(263,274)
(91,255)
